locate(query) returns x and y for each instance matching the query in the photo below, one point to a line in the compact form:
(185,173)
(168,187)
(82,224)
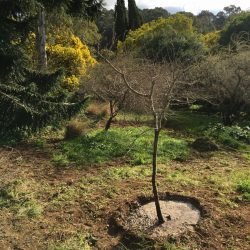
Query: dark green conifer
(134,17)
(121,23)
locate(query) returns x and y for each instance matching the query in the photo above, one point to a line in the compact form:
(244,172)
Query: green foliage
(244,187)
(29,99)
(134,143)
(234,136)
(204,22)
(165,39)
(189,121)
(239,24)
(121,22)
(105,25)
(149,15)
(134,17)
(34,103)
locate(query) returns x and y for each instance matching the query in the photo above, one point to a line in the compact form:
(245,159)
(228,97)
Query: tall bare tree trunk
(41,40)
(154,184)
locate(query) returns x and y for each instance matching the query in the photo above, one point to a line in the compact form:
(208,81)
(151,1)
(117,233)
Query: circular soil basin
(180,213)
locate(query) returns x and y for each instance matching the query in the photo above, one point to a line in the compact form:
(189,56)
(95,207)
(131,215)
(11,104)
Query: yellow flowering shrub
(68,52)
(64,51)
(211,39)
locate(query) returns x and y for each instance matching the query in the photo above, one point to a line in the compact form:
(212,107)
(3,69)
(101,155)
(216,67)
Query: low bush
(75,128)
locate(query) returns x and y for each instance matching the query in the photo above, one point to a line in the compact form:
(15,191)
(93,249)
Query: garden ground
(53,197)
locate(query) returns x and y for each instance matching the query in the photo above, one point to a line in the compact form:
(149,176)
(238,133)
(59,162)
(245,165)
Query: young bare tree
(160,84)
(107,85)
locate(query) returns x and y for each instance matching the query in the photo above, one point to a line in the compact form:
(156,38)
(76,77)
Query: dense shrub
(239,24)
(165,39)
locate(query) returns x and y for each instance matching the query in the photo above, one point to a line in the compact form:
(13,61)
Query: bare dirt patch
(180,216)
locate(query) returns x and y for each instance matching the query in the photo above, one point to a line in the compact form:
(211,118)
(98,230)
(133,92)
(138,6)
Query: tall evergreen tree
(121,22)
(134,17)
(29,100)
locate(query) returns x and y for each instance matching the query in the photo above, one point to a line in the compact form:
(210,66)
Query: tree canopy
(238,25)
(165,39)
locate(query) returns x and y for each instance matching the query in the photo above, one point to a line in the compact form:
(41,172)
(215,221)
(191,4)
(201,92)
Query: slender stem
(154,184)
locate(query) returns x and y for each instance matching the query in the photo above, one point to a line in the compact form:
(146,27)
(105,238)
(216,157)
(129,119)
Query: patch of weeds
(128,172)
(31,209)
(228,202)
(133,117)
(182,178)
(64,194)
(246,155)
(234,181)
(78,242)
(234,136)
(92,181)
(17,197)
(243,186)
(111,192)
(40,143)
(133,143)
(60,160)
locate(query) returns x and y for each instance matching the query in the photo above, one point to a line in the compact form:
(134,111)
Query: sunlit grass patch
(128,172)
(18,197)
(183,178)
(78,242)
(135,144)
(235,181)
(243,187)
(64,194)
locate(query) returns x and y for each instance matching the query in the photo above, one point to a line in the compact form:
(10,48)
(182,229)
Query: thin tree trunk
(41,40)
(154,185)
(108,123)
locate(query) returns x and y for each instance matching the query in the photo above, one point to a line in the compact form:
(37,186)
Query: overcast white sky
(194,6)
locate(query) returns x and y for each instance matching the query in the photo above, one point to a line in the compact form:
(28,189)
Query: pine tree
(121,23)
(134,17)
(29,100)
